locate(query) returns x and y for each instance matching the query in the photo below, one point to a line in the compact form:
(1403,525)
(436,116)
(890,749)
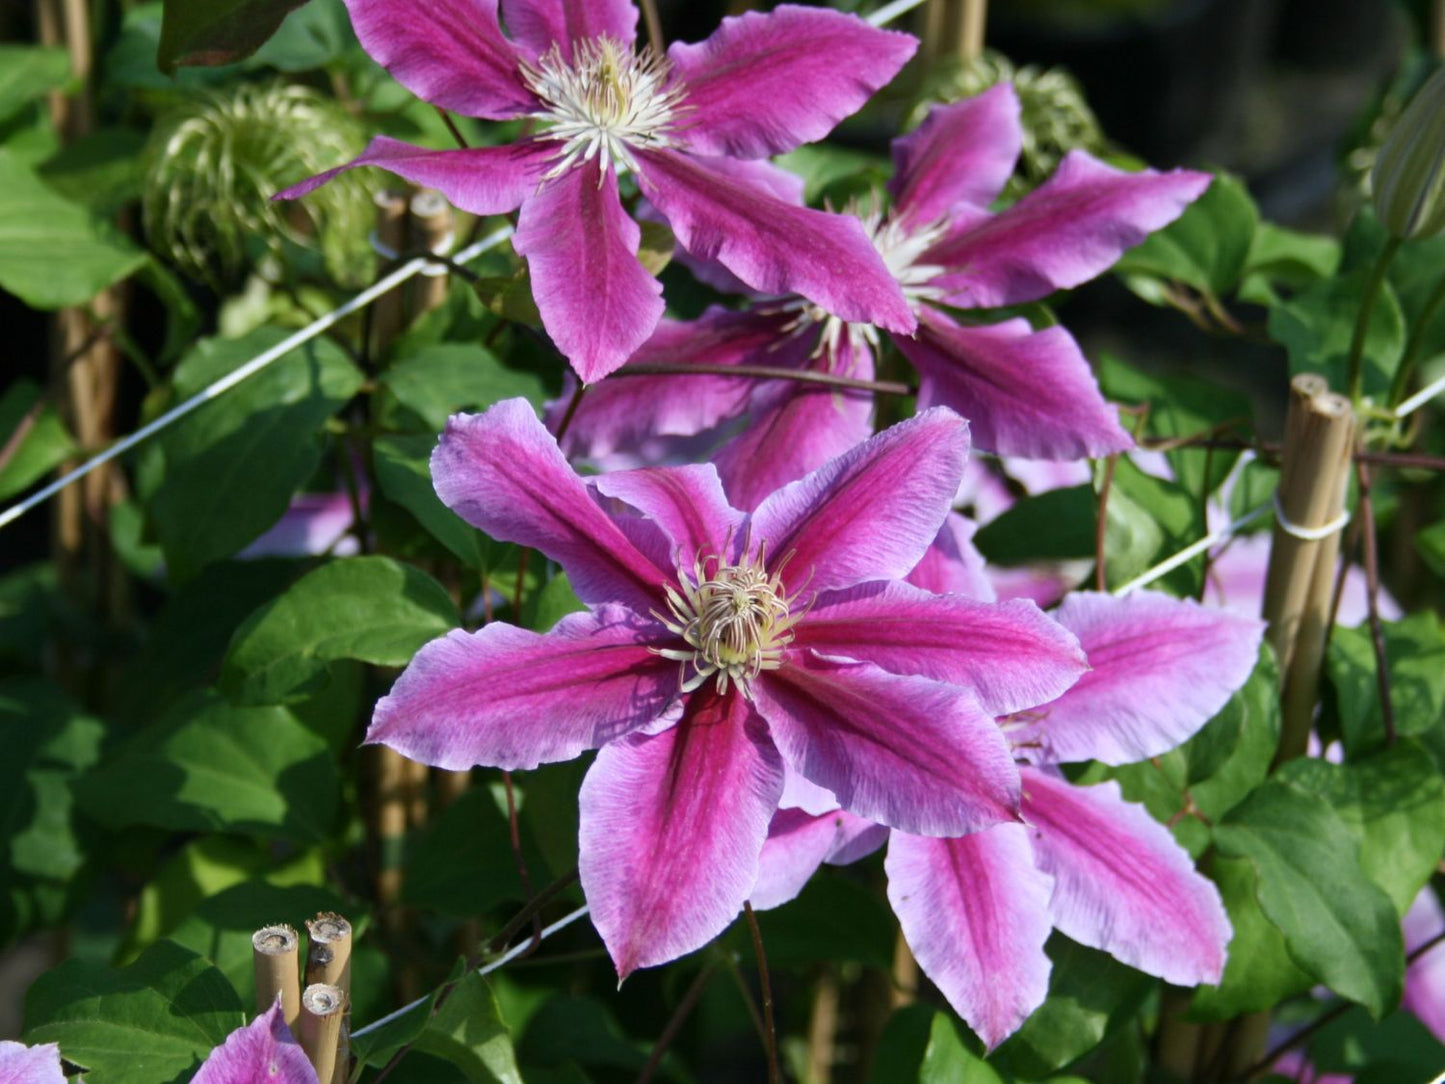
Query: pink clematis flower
(977,909)
(685,125)
(720,647)
(1025,392)
(263,1050)
(21,1064)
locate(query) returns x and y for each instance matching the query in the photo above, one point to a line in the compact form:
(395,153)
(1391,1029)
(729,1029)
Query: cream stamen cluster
(735,620)
(605,101)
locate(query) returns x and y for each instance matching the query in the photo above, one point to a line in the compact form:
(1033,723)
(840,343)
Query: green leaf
(1053,526)
(1415,648)
(1394,803)
(921,1044)
(829,170)
(404,474)
(221,926)
(582,1030)
(656,247)
(27,72)
(1259,972)
(1281,258)
(208,765)
(52,252)
(151,1021)
(212,32)
(42,446)
(469,1032)
(48,744)
(1396,1050)
(1205,248)
(833,919)
(1317,325)
(103,171)
(372,609)
(544,608)
(437,381)
(1147,520)
(228,470)
(1337,924)
(1430,544)
(1091,995)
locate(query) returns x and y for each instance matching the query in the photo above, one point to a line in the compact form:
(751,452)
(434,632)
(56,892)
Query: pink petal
(952,564)
(671,829)
(686,502)
(1024,392)
(907,752)
(871,513)
(1425,978)
(447,52)
(794,428)
(799,793)
(481,180)
(1067,231)
(1121,882)
(620,415)
(772,246)
(1162,668)
(537,24)
(504,697)
(764,84)
(503,473)
(21,1064)
(1009,655)
(961,154)
(597,301)
(263,1050)
(798,843)
(975,912)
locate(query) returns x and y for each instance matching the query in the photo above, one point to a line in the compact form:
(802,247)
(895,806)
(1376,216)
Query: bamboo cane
(275,952)
(432,226)
(322,1011)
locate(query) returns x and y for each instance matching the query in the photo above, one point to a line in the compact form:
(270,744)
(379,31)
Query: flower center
(603,103)
(735,620)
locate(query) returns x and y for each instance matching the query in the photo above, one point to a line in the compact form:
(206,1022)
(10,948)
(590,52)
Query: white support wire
(888,12)
(486,969)
(1420,398)
(1191,551)
(408,270)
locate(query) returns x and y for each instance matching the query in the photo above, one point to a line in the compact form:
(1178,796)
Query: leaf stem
(1401,383)
(674,1024)
(1362,320)
(770,1028)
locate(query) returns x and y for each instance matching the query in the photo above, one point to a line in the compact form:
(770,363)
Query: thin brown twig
(21,431)
(515,834)
(749,1002)
(1372,582)
(532,907)
(674,1024)
(1325,1019)
(1272,449)
(766,372)
(453,129)
(775,1075)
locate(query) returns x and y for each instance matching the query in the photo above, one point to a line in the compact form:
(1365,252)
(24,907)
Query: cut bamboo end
(322,1010)
(328,961)
(276,953)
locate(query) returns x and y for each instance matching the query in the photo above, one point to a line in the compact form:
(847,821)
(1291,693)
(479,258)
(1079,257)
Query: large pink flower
(761,85)
(977,909)
(1025,392)
(719,648)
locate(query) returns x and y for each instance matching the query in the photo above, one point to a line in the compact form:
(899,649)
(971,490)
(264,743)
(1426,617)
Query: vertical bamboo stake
(322,1010)
(432,226)
(328,963)
(1319,437)
(822,1029)
(275,951)
(905,974)
(954,29)
(387,312)
(1437,28)
(390,827)
(971,22)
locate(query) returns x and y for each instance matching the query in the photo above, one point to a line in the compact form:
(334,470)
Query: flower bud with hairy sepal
(1409,176)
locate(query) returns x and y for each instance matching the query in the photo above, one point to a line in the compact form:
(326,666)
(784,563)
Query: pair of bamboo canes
(317,1015)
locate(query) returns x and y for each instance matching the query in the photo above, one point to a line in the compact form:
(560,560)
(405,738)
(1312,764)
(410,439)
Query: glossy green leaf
(1337,924)
(1055,525)
(208,765)
(27,72)
(1396,1050)
(211,32)
(468,1031)
(81,255)
(439,380)
(1287,260)
(1091,995)
(921,1044)
(462,863)
(1204,249)
(372,609)
(42,444)
(1316,327)
(404,475)
(1415,648)
(1393,801)
(103,171)
(151,1021)
(1149,519)
(582,1030)
(227,471)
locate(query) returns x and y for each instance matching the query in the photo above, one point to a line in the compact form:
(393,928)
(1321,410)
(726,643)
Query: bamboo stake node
(323,1009)
(275,951)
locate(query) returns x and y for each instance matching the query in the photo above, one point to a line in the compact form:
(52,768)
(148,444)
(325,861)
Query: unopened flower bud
(1409,175)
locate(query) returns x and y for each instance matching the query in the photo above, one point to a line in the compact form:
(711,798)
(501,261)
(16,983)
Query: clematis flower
(684,125)
(977,909)
(21,1064)
(264,1049)
(1025,392)
(719,648)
